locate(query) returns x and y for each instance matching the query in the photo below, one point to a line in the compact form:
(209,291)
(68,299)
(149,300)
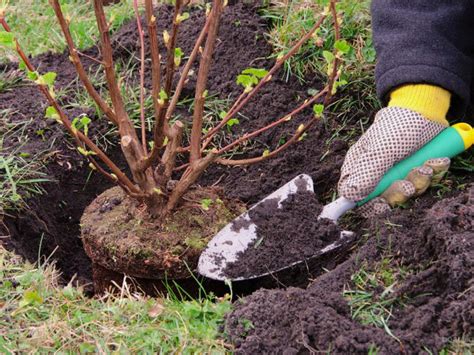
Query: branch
(159,136)
(283,119)
(75,59)
(187,67)
(279,62)
(171,45)
(133,150)
(142,75)
(160,127)
(336,62)
(201,83)
(299,132)
(80,138)
(188,178)
(169,157)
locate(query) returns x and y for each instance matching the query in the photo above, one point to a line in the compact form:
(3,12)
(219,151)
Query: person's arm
(423,70)
(424,42)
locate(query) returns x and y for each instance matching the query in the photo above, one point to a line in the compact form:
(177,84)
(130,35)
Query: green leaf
(232,122)
(342,46)
(222,114)
(328,56)
(259,73)
(85,121)
(30,298)
(178,52)
(163,97)
(182,17)
(318,109)
(32,75)
(206,203)
(22,65)
(7,39)
(51,113)
(246,80)
(49,78)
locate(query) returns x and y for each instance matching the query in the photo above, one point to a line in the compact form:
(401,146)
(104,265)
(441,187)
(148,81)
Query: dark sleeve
(423,41)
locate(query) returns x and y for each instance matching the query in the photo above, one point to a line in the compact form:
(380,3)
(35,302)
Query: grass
(9,80)
(368,305)
(37,314)
(21,173)
(35,24)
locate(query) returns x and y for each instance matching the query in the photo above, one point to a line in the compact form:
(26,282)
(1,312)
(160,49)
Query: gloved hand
(395,134)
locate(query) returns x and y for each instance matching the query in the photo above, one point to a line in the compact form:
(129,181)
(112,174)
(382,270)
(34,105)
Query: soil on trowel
(284,235)
(422,272)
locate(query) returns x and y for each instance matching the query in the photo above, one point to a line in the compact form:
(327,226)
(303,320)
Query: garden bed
(431,244)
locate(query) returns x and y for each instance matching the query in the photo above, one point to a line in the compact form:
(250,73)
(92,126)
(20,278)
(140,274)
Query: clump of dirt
(436,296)
(118,233)
(284,235)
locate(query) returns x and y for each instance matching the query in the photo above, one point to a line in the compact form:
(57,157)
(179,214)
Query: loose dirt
(436,296)
(284,235)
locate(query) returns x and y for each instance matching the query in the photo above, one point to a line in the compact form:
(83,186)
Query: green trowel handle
(449,143)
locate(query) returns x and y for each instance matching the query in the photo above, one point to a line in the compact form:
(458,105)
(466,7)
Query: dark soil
(434,242)
(437,294)
(284,235)
(119,235)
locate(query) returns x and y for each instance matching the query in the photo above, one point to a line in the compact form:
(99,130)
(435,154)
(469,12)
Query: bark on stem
(283,119)
(189,177)
(337,36)
(131,146)
(75,59)
(160,128)
(142,75)
(201,83)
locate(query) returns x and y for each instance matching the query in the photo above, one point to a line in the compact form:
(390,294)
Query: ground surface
(408,284)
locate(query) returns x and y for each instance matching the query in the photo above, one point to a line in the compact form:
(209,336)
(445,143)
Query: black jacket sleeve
(423,41)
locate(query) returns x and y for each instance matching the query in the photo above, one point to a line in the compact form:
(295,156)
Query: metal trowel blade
(236,236)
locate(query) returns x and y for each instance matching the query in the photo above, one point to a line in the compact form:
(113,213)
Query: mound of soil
(438,294)
(119,235)
(284,235)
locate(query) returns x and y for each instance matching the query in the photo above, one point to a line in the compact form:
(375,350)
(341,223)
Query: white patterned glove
(395,134)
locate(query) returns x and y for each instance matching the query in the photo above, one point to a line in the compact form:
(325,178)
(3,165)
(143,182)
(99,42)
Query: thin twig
(141,36)
(279,62)
(283,119)
(75,59)
(203,74)
(336,62)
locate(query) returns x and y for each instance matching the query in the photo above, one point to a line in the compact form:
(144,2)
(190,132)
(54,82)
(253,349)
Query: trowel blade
(236,236)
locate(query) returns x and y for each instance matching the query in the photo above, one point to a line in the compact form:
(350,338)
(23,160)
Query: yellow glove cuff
(430,101)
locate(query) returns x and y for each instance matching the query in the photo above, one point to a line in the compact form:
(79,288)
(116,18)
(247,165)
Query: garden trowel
(237,236)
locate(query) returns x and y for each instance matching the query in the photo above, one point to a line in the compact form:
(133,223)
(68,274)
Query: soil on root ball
(119,234)
(428,256)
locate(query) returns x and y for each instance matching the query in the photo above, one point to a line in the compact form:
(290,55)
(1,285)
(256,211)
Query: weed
(371,300)
(9,80)
(21,173)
